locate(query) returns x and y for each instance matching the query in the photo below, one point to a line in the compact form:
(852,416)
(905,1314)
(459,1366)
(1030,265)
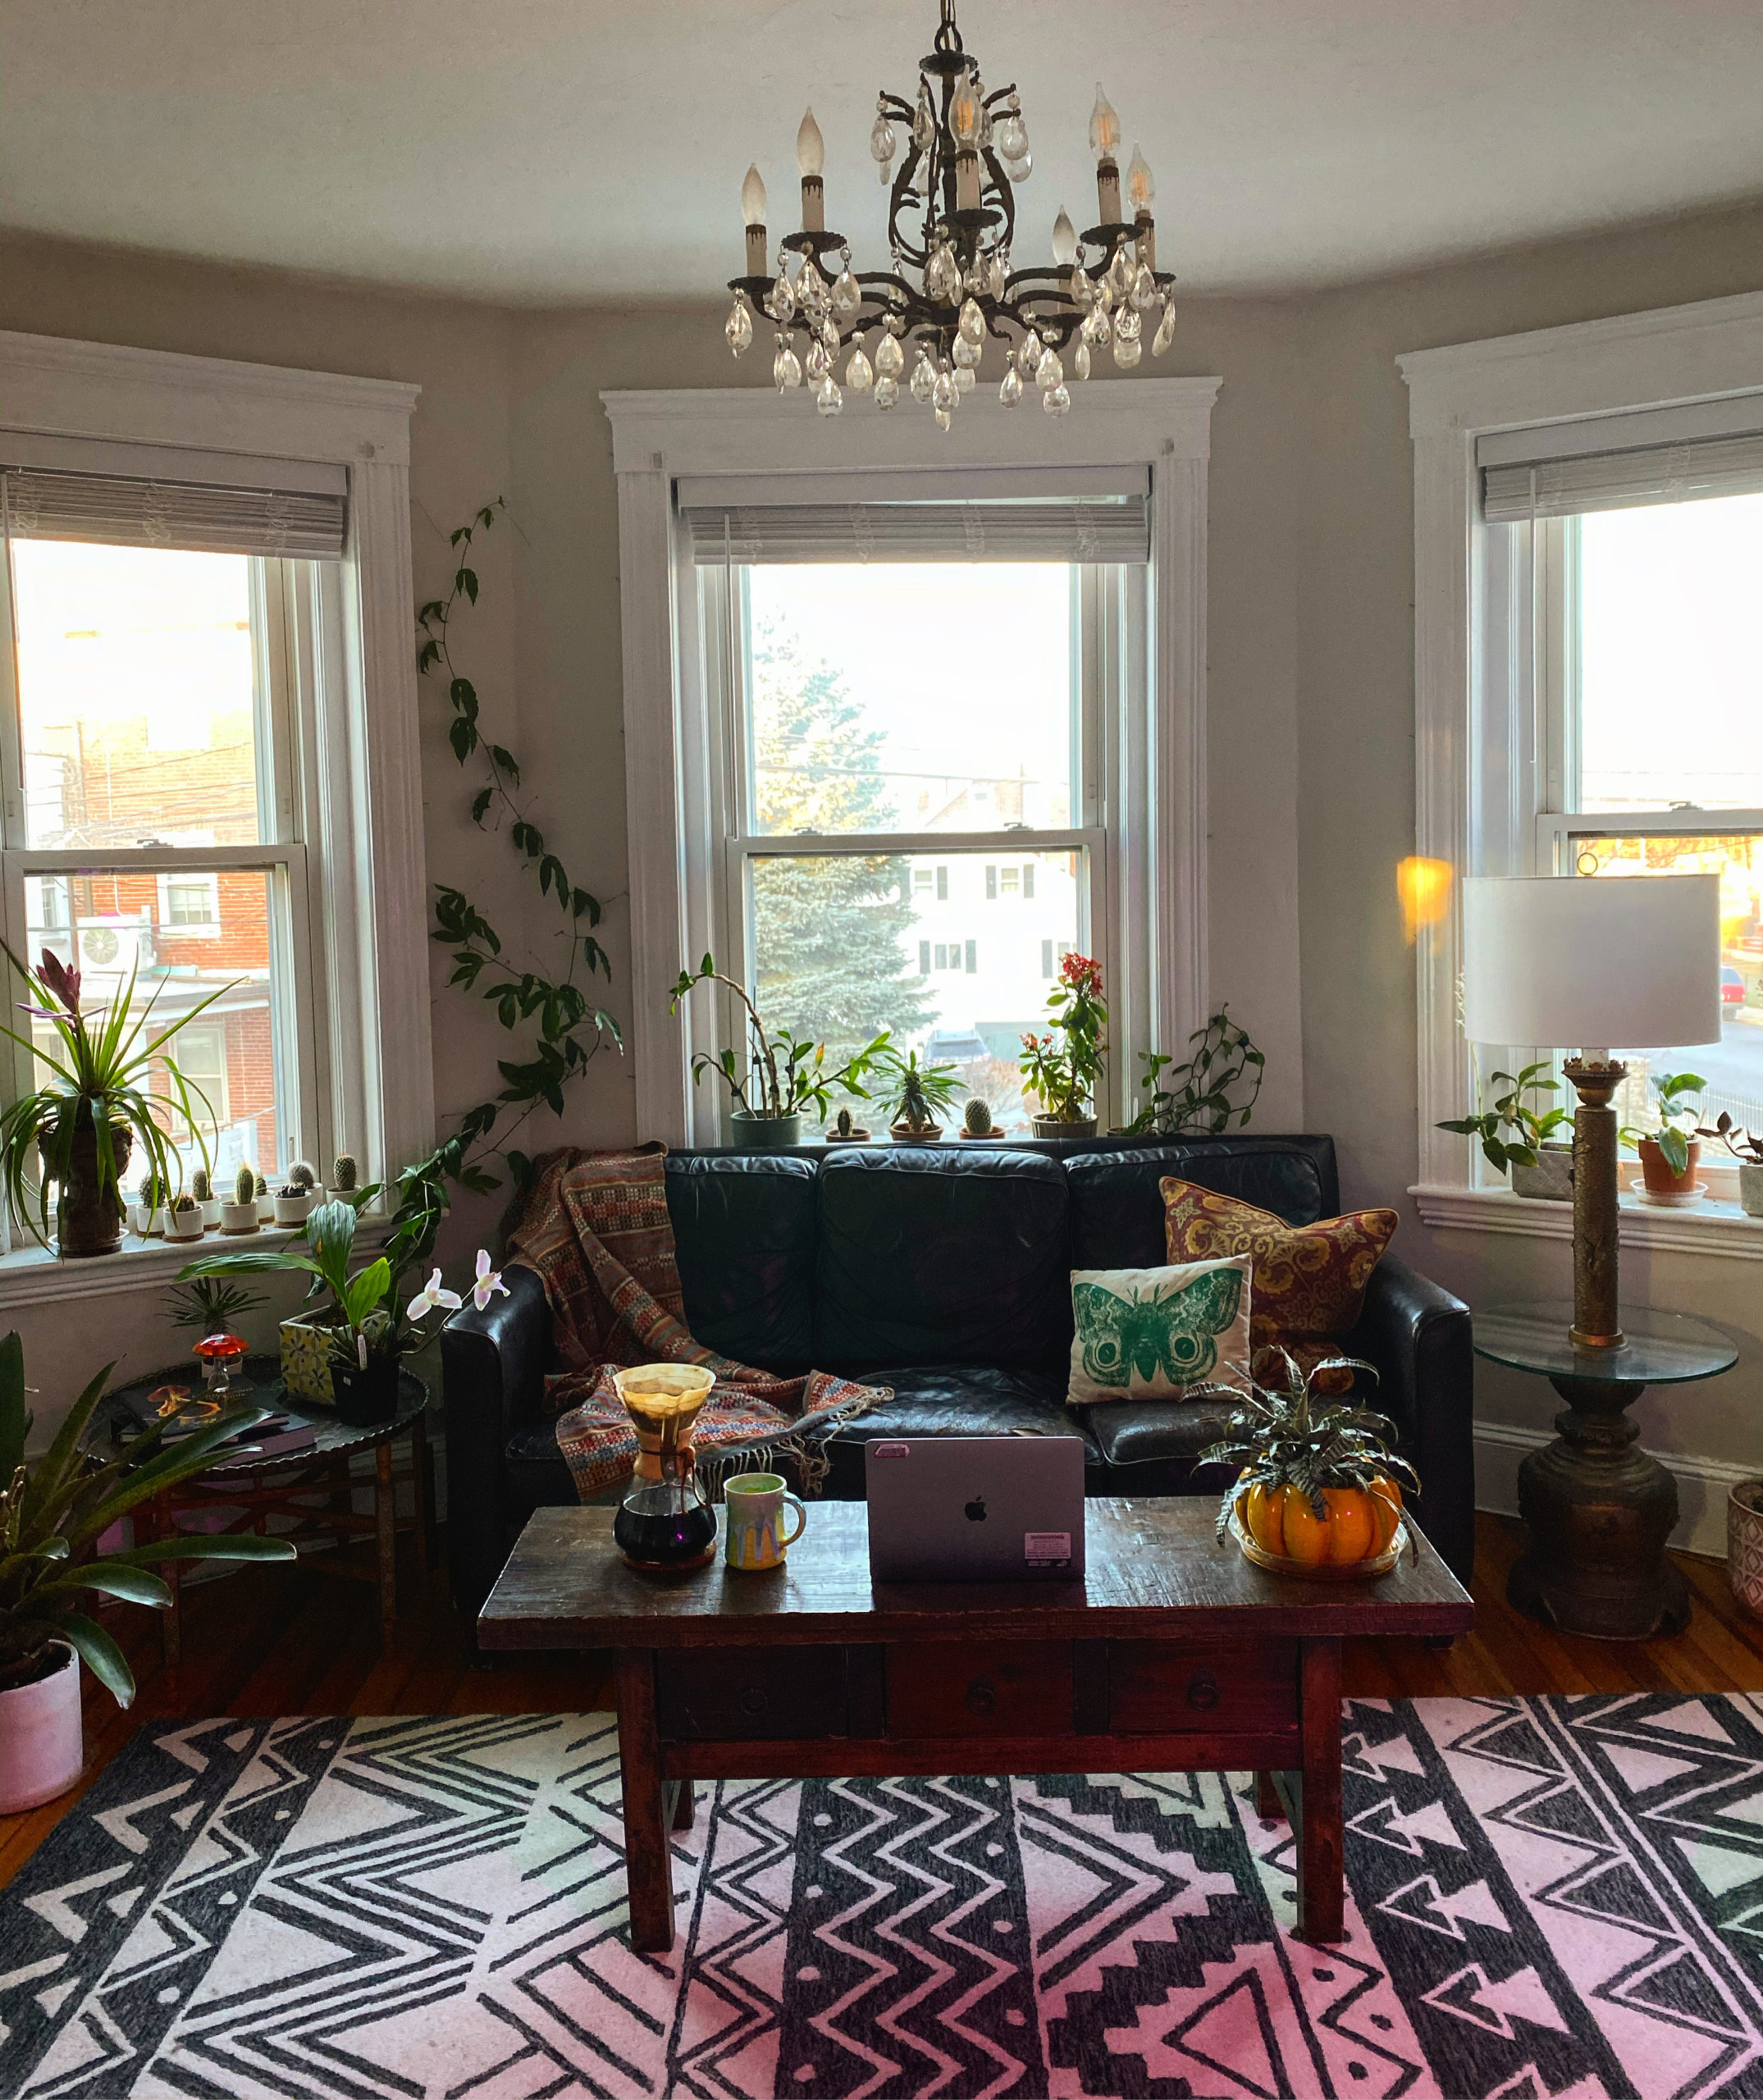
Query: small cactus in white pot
(240,1214)
(266,1202)
(297,1195)
(183,1220)
(202,1187)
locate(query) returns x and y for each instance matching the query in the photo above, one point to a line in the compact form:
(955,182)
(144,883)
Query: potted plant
(53,1512)
(202,1187)
(1202,1094)
(1747,1147)
(842,1130)
(1064,1067)
(183,1218)
(75,1132)
(209,1304)
(266,1202)
(1316,1488)
(913,1098)
(1542,1167)
(240,1214)
(297,1196)
(155,1203)
(1669,1155)
(977,1126)
(786,1073)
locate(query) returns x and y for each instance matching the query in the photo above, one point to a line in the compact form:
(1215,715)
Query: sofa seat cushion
(1141,1433)
(941,1254)
(952,1400)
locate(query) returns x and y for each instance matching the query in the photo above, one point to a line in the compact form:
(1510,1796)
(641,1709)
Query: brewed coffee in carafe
(665,1522)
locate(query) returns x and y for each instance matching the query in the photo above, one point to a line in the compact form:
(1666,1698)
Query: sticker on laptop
(1046,1548)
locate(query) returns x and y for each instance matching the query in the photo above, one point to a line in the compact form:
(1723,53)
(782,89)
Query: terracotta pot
(88,1220)
(41,1746)
(1658,1175)
(903,1133)
(1744,1544)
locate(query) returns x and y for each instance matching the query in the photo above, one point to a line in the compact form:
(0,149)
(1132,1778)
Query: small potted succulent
(1063,1068)
(53,1511)
(842,1130)
(786,1074)
(1670,1154)
(266,1202)
(240,1214)
(202,1187)
(1747,1147)
(1541,1164)
(183,1217)
(297,1196)
(914,1097)
(1316,1492)
(155,1203)
(345,1181)
(977,1126)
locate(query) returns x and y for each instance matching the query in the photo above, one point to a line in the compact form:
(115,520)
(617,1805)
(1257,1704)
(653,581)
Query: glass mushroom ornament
(953,299)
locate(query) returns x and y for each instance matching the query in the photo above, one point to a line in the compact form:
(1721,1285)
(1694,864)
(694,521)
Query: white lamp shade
(1576,962)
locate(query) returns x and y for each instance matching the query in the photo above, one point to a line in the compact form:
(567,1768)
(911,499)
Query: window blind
(1108,529)
(135,511)
(1730,465)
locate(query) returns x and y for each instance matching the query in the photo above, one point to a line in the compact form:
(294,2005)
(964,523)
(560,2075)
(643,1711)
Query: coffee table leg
(648,1863)
(1268,1805)
(1320,1900)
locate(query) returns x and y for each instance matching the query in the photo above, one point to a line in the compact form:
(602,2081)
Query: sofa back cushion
(944,1255)
(1117,1203)
(744,1235)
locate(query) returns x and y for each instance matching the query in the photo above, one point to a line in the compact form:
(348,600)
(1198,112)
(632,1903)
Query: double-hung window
(918,722)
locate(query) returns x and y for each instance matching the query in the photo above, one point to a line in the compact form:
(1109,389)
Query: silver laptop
(975,1509)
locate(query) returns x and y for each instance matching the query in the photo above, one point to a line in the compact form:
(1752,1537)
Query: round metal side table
(1599,1508)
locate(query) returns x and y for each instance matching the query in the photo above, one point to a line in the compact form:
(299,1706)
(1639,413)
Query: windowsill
(1711,1228)
(32,1276)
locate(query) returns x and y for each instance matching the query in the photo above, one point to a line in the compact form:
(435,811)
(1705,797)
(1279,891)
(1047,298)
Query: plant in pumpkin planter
(1540,1165)
(1063,1068)
(75,1132)
(52,1512)
(1669,1155)
(1316,1487)
(915,1098)
(786,1074)
(1217,1085)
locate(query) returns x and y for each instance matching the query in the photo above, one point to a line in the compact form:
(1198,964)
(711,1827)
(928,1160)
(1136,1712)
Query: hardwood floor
(299,1641)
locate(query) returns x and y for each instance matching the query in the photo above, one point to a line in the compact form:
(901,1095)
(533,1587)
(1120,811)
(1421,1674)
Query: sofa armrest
(492,1379)
(1418,1336)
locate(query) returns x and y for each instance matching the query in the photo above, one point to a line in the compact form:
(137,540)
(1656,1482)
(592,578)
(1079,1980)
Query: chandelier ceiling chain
(952,221)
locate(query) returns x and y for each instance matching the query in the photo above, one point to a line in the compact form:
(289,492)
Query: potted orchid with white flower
(366,1330)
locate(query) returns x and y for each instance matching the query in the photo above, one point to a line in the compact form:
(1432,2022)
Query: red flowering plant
(1064,1067)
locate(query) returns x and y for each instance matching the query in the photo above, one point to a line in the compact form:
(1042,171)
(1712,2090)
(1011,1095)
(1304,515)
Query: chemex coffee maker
(665,1524)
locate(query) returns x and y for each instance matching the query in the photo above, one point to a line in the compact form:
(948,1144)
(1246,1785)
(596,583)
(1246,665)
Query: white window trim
(376,932)
(1712,351)
(1163,424)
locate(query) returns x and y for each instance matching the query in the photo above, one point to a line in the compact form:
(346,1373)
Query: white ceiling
(550,151)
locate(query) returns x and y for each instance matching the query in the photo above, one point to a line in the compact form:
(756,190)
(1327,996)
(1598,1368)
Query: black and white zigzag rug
(1556,1899)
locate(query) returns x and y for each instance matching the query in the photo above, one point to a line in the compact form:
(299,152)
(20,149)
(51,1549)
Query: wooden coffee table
(1173,1655)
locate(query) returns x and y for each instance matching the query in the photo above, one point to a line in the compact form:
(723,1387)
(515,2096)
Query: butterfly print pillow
(1150,1333)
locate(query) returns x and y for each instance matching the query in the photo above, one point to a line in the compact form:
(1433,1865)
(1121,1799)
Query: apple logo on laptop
(976,1510)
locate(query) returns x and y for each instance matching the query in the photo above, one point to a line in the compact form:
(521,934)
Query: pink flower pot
(42,1747)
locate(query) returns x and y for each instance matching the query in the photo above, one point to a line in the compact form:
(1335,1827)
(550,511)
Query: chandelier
(952,221)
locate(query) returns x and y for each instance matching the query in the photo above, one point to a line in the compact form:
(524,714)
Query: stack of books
(185,1409)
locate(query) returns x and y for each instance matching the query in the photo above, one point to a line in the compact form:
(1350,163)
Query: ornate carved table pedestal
(1599,1508)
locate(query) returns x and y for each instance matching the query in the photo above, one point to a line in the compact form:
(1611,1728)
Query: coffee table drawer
(980,1688)
(1168,1687)
(733,1695)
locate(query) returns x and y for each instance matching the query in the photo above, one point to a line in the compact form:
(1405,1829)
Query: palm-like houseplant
(77,1131)
(53,1512)
(915,1098)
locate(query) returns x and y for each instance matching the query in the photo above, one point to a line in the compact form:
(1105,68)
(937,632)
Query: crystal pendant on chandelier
(951,159)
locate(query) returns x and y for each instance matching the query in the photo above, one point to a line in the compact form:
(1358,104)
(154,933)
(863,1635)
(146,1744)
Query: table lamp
(1579,963)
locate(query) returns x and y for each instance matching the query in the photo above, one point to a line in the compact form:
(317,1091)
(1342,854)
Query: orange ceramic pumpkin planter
(1359,1526)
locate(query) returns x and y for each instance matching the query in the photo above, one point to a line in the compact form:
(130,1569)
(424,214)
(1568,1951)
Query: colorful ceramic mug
(754,1536)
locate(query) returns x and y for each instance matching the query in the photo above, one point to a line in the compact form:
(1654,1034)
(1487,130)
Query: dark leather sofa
(942,1273)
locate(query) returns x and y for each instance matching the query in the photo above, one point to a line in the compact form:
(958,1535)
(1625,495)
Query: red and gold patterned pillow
(1307,1282)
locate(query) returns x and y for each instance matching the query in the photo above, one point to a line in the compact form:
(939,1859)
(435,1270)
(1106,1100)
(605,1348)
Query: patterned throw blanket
(596,1230)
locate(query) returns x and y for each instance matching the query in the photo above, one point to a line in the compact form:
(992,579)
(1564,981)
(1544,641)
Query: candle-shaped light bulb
(1141,186)
(1064,240)
(810,147)
(1104,127)
(753,198)
(964,111)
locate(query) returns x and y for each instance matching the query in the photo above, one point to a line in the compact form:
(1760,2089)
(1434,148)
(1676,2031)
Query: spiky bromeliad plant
(1306,1461)
(99,1064)
(51,1513)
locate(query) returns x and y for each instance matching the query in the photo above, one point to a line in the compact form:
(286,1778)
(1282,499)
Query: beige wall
(1310,657)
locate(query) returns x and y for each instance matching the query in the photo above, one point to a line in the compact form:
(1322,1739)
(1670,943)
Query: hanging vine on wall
(569,1031)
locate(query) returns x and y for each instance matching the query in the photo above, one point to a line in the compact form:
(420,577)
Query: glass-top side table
(1599,1508)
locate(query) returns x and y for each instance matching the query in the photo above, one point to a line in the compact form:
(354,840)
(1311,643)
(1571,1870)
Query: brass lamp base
(1596,1323)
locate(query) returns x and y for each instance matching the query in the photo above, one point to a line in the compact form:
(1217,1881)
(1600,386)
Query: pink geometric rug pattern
(1556,1899)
